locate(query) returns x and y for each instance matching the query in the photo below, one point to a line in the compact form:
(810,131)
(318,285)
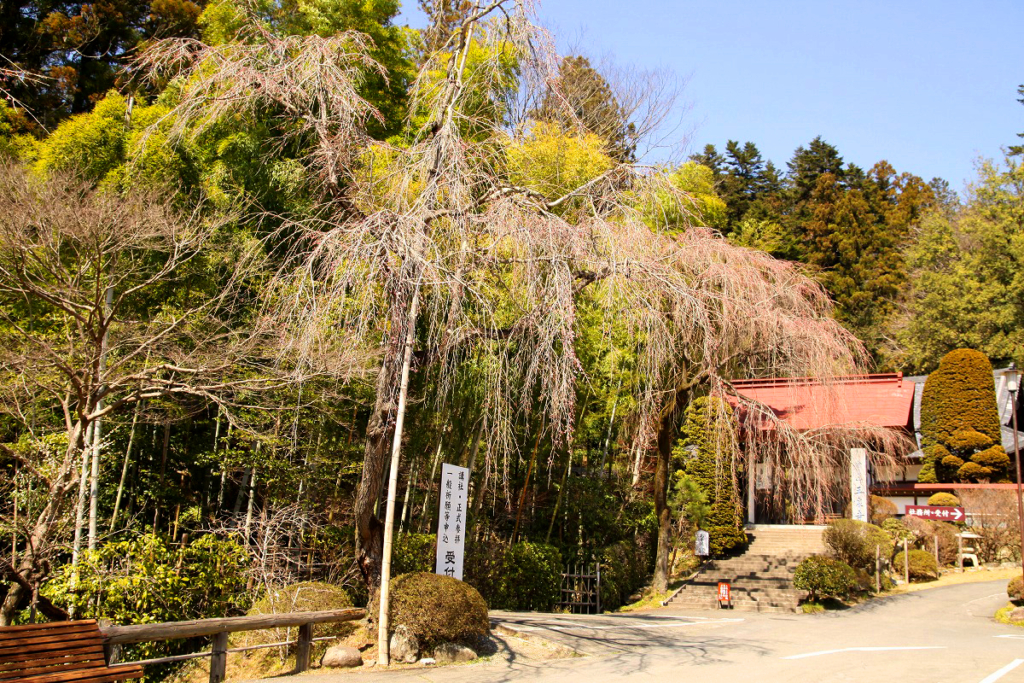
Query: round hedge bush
(307,596)
(854,542)
(1015,589)
(823,576)
(436,609)
(945,499)
(922,565)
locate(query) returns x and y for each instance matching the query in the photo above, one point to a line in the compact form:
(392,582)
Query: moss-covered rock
(435,609)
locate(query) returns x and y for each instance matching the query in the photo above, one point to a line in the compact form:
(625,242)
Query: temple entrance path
(946,634)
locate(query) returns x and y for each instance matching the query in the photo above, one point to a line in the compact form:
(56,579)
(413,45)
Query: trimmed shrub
(308,596)
(944,499)
(898,529)
(435,609)
(823,576)
(709,433)
(854,542)
(959,418)
(1015,589)
(922,565)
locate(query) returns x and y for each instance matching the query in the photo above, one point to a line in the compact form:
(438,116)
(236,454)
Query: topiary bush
(960,421)
(944,499)
(854,542)
(922,565)
(823,576)
(708,433)
(436,609)
(1015,589)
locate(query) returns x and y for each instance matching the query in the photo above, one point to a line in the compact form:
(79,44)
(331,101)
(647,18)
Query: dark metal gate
(581,589)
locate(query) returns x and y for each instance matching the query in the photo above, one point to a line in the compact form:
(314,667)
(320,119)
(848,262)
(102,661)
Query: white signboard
(703,544)
(859,484)
(451,520)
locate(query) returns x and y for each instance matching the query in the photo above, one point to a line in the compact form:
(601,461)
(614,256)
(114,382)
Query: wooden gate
(581,589)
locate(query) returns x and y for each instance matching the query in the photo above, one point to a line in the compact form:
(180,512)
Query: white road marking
(605,627)
(864,649)
(1002,672)
(1013,635)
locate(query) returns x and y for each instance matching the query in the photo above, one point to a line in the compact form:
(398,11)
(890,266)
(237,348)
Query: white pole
(383,654)
(751,476)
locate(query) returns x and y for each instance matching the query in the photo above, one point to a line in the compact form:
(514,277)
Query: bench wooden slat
(52,668)
(43,632)
(105,675)
(55,654)
(60,652)
(48,625)
(51,646)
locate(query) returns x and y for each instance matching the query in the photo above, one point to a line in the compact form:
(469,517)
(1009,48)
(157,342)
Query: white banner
(451,520)
(859,484)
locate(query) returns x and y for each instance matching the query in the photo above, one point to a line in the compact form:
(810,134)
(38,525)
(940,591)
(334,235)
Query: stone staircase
(761,578)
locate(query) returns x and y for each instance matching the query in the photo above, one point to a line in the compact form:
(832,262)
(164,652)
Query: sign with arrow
(937,512)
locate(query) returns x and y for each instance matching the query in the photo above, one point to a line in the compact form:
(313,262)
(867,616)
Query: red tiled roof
(885,400)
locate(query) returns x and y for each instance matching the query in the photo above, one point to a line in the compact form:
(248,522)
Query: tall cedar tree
(708,446)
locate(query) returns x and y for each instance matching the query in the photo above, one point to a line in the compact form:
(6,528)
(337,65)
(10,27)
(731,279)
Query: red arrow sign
(938,512)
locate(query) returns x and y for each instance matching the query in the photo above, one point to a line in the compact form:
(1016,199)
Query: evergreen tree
(707,447)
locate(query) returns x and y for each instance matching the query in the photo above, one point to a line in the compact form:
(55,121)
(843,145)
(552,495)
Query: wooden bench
(58,652)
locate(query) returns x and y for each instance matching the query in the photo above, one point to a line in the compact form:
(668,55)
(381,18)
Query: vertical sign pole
(859,484)
(878,569)
(906,563)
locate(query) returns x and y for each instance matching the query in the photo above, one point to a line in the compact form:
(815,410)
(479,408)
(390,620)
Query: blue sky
(929,86)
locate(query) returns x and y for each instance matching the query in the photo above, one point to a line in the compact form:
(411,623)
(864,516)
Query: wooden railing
(220,629)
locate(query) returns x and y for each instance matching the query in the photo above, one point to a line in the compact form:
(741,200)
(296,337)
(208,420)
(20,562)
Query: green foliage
(699,182)
(146,581)
(854,542)
(436,609)
(1015,589)
(897,530)
(552,161)
(529,577)
(960,421)
(708,448)
(413,553)
(925,532)
(625,567)
(922,565)
(944,499)
(688,498)
(824,577)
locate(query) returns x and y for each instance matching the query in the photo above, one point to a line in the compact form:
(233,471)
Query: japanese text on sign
(451,520)
(949,514)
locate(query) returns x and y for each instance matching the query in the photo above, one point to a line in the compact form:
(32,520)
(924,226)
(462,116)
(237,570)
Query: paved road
(944,634)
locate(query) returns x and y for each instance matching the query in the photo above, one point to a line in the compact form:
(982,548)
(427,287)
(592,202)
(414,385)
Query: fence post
(598,587)
(937,565)
(906,563)
(878,569)
(304,647)
(219,657)
(959,553)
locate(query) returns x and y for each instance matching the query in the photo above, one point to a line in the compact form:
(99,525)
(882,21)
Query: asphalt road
(945,634)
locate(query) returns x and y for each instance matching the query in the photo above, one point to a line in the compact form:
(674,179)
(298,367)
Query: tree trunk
(124,467)
(425,514)
(667,433)
(369,529)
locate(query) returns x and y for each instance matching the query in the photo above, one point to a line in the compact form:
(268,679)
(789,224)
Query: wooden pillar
(219,657)
(304,648)
(751,480)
